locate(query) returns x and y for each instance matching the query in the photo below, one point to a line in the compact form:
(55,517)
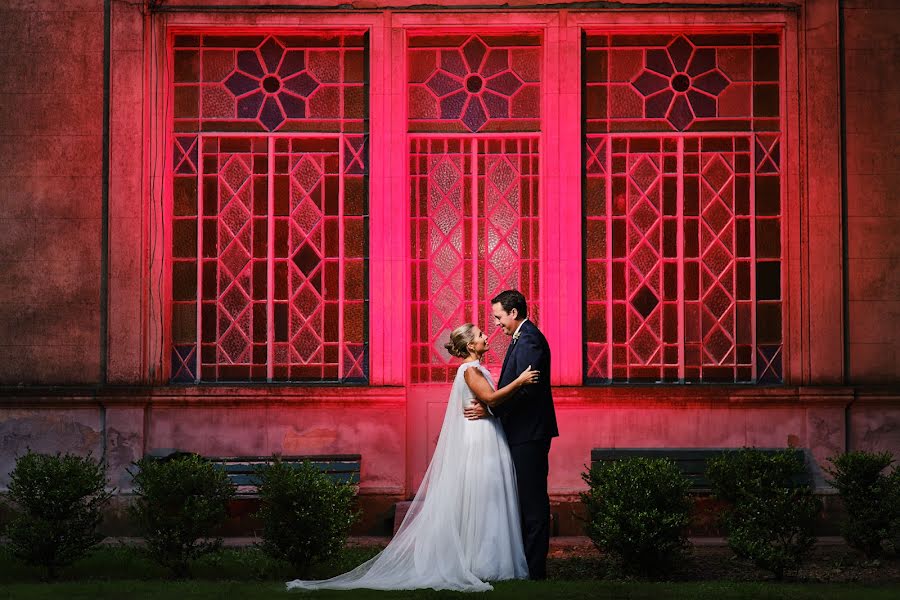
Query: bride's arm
(483,391)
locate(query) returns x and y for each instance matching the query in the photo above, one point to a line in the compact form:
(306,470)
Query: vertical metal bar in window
(199,335)
(680,256)
(609,262)
(270,264)
(734,258)
(342,169)
(753,169)
(680,251)
(475,229)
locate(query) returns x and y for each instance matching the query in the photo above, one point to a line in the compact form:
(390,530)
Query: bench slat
(249,467)
(292,458)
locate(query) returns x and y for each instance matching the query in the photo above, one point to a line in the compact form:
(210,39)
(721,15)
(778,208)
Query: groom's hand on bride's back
(475,411)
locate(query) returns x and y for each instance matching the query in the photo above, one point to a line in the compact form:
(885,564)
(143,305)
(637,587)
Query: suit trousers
(532,467)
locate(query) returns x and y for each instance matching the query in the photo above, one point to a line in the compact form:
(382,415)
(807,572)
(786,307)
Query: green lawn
(218,590)
(122,572)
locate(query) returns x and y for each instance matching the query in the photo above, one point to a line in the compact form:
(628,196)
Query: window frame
(698,21)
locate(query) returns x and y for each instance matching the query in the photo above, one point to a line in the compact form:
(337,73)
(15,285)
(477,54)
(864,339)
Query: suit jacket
(529,414)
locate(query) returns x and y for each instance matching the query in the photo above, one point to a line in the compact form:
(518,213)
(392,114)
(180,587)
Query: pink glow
(405,123)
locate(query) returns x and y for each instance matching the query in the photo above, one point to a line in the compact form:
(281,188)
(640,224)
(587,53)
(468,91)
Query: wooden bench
(691,461)
(241,470)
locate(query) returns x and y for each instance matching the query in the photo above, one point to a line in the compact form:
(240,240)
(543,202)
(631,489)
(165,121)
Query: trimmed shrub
(306,516)
(637,511)
(59,501)
(772,513)
(871,498)
(180,502)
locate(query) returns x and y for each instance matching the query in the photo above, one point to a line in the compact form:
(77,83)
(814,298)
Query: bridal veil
(430,549)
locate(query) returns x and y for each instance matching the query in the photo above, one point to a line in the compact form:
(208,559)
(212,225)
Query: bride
(462,528)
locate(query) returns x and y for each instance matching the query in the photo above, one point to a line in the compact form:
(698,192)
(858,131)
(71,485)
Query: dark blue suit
(529,421)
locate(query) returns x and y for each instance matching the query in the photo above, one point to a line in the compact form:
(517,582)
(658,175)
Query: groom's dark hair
(512,299)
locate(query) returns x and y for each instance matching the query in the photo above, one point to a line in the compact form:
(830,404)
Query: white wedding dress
(462,529)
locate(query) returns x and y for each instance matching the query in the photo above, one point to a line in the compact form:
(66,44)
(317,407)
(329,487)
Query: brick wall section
(872,46)
(51,94)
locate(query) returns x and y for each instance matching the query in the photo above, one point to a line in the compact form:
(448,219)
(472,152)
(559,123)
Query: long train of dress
(462,529)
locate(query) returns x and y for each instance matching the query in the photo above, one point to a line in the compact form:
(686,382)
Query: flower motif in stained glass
(271,84)
(680,83)
(474,83)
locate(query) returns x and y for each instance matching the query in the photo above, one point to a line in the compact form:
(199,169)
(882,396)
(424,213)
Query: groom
(529,421)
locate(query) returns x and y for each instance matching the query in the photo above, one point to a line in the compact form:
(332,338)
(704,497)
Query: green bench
(241,470)
(691,461)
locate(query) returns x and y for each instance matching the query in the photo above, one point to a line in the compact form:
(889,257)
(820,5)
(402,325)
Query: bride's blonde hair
(460,338)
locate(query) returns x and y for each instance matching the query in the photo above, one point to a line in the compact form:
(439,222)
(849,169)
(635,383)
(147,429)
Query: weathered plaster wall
(51,85)
(872,58)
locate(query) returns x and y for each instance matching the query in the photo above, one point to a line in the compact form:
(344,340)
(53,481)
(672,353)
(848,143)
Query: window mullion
(198,361)
(680,251)
(270,263)
(475,239)
(609,261)
(753,303)
(341,169)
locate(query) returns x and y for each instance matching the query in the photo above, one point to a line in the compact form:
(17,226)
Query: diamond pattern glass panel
(474,231)
(682,283)
(720,336)
(638,268)
(234,277)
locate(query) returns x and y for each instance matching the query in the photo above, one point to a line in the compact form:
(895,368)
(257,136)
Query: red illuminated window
(270,165)
(682,180)
(473,186)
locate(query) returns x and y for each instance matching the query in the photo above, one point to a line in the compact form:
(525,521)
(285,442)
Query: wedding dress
(463,527)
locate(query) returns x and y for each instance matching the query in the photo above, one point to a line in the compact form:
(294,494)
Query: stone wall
(872,59)
(51,82)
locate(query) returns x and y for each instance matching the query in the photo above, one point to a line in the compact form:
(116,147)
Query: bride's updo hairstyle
(459,340)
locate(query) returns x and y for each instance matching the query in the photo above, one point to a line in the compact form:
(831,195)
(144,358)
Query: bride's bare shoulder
(473,373)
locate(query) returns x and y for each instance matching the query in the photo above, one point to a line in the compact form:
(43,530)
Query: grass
(216,590)
(122,571)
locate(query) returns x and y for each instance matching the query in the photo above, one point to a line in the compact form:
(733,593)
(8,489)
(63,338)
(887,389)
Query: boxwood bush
(306,517)
(772,510)
(180,501)
(58,502)
(870,491)
(637,512)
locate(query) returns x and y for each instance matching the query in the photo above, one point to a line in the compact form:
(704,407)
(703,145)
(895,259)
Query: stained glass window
(474,105)
(270,209)
(682,200)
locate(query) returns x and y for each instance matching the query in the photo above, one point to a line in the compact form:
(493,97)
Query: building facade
(245,230)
